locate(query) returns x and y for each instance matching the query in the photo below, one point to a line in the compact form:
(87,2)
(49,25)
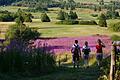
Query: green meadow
(51,29)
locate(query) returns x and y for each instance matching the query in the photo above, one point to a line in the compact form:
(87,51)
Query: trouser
(76,60)
(86,58)
(99,58)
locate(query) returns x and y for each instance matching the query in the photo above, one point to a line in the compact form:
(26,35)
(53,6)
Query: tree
(45,18)
(61,15)
(28,18)
(71,4)
(25,17)
(19,20)
(18,37)
(73,15)
(102,21)
(101,2)
(95,8)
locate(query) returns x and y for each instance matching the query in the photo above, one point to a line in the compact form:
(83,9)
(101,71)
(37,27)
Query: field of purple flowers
(63,45)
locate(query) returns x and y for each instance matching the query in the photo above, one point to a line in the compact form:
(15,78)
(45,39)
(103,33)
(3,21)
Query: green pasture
(51,29)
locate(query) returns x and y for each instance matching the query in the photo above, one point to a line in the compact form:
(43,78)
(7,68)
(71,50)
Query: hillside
(9,2)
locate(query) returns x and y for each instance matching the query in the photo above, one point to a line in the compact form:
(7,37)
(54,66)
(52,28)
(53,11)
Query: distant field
(54,30)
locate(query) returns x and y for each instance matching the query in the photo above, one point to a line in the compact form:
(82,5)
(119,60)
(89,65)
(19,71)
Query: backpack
(86,50)
(76,50)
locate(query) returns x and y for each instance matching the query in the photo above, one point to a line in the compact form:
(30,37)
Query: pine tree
(73,15)
(61,15)
(102,21)
(45,17)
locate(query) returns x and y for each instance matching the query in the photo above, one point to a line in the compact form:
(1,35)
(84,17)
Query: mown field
(51,29)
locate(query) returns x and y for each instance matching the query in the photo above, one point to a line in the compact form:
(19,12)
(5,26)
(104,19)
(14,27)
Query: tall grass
(34,60)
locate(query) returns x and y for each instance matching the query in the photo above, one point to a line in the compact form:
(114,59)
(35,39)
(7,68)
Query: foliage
(94,15)
(115,38)
(115,27)
(112,15)
(104,77)
(21,32)
(61,15)
(35,61)
(87,22)
(67,16)
(19,20)
(68,5)
(19,55)
(27,17)
(8,16)
(72,15)
(45,18)
(104,69)
(102,21)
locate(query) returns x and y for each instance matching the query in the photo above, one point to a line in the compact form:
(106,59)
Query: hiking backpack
(76,50)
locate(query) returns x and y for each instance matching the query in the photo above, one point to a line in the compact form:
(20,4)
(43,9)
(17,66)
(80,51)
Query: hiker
(86,51)
(76,54)
(99,53)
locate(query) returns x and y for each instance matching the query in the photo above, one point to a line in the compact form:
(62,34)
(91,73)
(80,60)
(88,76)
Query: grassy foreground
(64,72)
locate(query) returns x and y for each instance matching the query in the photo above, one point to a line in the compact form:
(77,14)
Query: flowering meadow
(63,45)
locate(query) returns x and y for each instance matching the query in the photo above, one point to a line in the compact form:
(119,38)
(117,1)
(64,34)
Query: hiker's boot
(73,65)
(77,66)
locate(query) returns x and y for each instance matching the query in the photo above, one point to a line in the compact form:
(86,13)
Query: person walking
(86,51)
(76,54)
(99,51)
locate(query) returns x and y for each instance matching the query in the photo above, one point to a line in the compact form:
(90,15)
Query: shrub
(87,22)
(102,21)
(115,38)
(21,32)
(61,15)
(35,61)
(19,20)
(6,17)
(68,22)
(73,15)
(94,15)
(27,18)
(112,14)
(67,16)
(45,18)
(115,27)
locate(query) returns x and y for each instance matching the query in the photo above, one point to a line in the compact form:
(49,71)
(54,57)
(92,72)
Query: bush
(115,27)
(45,18)
(35,61)
(115,38)
(73,15)
(19,20)
(112,15)
(6,17)
(87,22)
(94,15)
(21,32)
(102,21)
(61,15)
(68,22)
